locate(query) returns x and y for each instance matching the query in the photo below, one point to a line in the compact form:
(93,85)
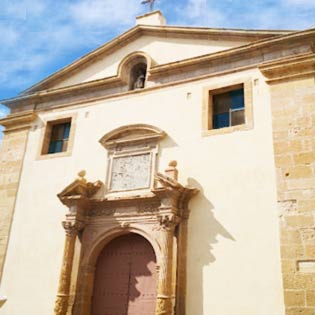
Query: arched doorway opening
(125,281)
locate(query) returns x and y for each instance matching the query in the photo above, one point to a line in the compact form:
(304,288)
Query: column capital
(168,222)
(72,227)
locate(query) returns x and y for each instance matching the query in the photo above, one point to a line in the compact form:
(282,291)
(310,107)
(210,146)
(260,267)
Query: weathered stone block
(300,311)
(310,251)
(308,236)
(304,158)
(294,298)
(292,251)
(310,298)
(299,172)
(300,221)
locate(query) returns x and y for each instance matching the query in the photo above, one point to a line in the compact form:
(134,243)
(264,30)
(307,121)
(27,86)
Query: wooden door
(125,278)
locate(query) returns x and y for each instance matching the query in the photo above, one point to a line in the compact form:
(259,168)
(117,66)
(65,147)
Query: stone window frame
(207,106)
(132,140)
(46,133)
(152,151)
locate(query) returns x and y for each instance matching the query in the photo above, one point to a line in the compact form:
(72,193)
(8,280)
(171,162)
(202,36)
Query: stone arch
(104,238)
(130,134)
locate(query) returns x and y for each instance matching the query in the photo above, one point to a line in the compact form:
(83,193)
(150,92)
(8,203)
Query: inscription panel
(130,172)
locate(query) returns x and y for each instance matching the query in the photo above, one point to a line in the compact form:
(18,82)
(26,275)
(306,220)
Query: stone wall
(293,110)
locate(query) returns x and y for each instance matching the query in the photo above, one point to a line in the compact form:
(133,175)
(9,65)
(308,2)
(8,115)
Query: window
(227,108)
(59,138)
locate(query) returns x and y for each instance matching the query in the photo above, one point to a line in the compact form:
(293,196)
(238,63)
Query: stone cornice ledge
(140,30)
(244,50)
(287,68)
(18,121)
(257,52)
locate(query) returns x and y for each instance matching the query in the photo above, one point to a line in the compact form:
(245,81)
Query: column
(181,266)
(165,295)
(82,305)
(61,304)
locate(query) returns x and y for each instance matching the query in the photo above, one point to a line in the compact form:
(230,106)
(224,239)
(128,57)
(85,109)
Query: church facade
(170,171)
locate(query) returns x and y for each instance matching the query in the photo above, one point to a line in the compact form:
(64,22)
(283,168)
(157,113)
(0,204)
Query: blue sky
(38,37)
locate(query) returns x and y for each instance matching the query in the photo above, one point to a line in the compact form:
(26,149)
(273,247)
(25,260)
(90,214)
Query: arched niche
(134,69)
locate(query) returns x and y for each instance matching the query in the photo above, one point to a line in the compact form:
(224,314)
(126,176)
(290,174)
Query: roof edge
(136,31)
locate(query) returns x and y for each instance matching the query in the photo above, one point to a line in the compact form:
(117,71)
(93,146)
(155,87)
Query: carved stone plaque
(130,172)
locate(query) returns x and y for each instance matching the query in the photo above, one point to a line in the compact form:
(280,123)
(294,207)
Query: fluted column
(62,299)
(165,295)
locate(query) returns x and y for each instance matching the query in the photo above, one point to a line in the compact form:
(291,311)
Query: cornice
(249,51)
(160,31)
(18,121)
(286,68)
(236,52)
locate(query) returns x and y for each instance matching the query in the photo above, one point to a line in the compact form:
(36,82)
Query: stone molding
(130,135)
(141,30)
(131,145)
(18,121)
(289,68)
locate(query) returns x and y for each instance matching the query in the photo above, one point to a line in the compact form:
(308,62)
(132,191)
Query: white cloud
(256,14)
(305,3)
(104,13)
(37,33)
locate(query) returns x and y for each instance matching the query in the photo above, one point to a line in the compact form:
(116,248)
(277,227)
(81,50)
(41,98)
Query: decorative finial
(172,163)
(151,3)
(172,171)
(81,175)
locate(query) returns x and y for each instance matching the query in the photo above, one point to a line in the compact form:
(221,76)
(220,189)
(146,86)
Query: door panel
(125,278)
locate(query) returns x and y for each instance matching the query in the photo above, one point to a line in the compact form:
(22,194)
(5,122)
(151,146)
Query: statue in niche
(139,80)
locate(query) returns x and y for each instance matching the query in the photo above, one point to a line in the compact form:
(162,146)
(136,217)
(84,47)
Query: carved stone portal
(159,213)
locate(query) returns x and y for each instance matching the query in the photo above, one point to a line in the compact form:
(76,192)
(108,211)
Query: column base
(164,305)
(61,304)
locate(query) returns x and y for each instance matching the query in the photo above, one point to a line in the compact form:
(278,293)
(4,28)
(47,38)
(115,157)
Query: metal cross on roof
(151,3)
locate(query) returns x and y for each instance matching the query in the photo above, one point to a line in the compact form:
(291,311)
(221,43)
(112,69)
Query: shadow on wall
(203,231)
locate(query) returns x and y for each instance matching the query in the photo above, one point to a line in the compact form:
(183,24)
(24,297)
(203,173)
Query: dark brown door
(125,278)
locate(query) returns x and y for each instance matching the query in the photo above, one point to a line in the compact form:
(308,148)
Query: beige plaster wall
(233,247)
(161,50)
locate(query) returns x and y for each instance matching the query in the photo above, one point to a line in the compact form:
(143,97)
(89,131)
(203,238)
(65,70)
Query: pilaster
(12,152)
(292,89)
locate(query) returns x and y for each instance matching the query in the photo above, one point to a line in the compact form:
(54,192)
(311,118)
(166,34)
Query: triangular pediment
(163,45)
